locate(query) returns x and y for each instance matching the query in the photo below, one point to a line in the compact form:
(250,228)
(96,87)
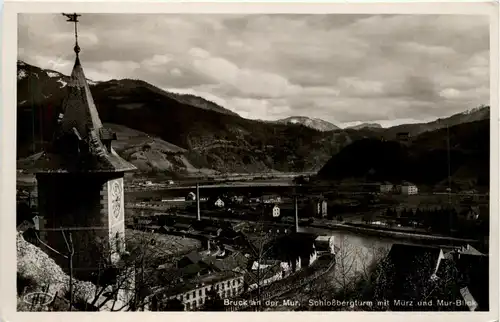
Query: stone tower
(80,182)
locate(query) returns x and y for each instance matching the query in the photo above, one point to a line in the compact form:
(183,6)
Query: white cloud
(157,60)
(341,68)
(246,81)
(355,86)
(416,48)
(176,72)
(449,93)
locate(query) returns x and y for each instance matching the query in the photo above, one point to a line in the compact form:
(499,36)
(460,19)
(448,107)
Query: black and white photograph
(254,162)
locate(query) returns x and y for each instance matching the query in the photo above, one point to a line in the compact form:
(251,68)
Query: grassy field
(164,246)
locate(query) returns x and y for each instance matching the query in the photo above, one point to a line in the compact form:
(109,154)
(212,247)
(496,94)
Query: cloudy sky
(345,69)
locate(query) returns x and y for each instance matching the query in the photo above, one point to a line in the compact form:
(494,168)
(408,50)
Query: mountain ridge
(221,141)
(210,136)
(365,125)
(314,123)
(423,160)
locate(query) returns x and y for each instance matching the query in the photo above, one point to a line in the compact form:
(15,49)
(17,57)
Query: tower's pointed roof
(81,142)
(79,110)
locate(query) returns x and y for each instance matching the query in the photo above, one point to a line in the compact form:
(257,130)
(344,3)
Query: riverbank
(359,230)
(386,233)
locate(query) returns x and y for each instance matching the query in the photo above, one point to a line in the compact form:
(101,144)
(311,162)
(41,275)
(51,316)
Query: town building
(276,211)
(322,208)
(143,222)
(272,210)
(408,188)
(271,199)
(25,225)
(325,243)
(198,277)
(194,293)
(386,187)
(316,207)
(237,199)
(219,203)
(273,229)
(271,271)
(212,231)
(175,199)
(296,249)
(403,136)
(183,227)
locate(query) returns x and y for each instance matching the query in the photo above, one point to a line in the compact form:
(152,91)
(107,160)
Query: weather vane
(73,17)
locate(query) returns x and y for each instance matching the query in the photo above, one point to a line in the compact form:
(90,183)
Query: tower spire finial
(73,17)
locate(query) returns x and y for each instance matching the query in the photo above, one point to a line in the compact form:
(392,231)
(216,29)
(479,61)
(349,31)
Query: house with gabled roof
(183,227)
(212,231)
(219,203)
(408,188)
(470,213)
(406,271)
(468,270)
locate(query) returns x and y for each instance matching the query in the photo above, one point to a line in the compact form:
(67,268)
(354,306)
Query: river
(367,241)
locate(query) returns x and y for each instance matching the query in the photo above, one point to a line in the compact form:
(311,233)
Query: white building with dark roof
(408,188)
(325,243)
(191,196)
(271,199)
(219,203)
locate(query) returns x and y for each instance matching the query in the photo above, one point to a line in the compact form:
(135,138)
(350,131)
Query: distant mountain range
(422,160)
(171,133)
(212,137)
(365,125)
(322,125)
(314,123)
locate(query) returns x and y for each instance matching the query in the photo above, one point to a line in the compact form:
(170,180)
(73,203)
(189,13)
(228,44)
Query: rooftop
(323,238)
(469,250)
(211,229)
(404,254)
(469,299)
(408,270)
(290,247)
(194,257)
(81,143)
(182,226)
(197,282)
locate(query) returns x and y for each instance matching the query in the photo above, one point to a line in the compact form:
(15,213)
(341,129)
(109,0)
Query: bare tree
(415,281)
(260,246)
(127,284)
(346,280)
(346,266)
(68,254)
